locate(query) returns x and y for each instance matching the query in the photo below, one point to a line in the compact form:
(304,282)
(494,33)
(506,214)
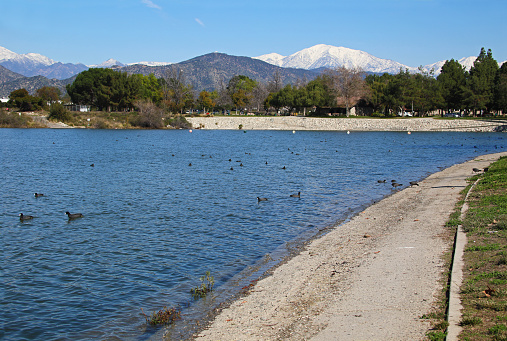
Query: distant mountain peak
(6,54)
(107,64)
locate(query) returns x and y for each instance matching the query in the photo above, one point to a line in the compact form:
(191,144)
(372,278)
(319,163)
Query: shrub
(58,112)
(100,123)
(150,115)
(13,120)
(179,122)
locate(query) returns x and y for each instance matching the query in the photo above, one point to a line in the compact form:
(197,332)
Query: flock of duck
(298,195)
(395,184)
(71,216)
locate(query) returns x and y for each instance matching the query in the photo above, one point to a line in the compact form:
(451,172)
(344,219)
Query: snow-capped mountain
(327,56)
(107,64)
(467,62)
(29,58)
(113,62)
(34,64)
(151,63)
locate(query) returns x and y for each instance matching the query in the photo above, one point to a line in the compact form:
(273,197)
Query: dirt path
(44,121)
(369,279)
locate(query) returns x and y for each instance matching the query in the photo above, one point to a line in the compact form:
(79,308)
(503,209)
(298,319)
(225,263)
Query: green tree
(317,93)
(206,100)
(24,101)
(240,89)
(379,91)
(105,89)
(452,81)
(49,94)
(501,89)
(481,82)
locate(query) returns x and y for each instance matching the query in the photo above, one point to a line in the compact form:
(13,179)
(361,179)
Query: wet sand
(371,278)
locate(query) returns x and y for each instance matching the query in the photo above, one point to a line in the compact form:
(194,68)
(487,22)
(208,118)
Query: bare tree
(347,85)
(276,83)
(260,92)
(150,116)
(176,90)
(224,99)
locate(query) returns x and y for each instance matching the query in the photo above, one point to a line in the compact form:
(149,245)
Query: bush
(58,112)
(13,120)
(150,115)
(179,122)
(100,123)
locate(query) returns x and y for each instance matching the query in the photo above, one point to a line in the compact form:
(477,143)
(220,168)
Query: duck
(381,181)
(73,215)
(476,170)
(414,183)
(296,195)
(25,217)
(261,199)
(395,184)
(38,195)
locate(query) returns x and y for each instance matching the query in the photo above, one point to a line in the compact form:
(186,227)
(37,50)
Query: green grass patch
(485,273)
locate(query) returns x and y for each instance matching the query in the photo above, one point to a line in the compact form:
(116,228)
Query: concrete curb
(454,309)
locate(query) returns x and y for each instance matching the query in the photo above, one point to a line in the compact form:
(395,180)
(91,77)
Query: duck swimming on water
(23,217)
(73,215)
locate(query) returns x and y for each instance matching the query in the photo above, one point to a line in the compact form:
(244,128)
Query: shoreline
(371,277)
(344,124)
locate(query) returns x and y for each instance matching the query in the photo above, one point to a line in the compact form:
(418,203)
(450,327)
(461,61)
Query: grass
(206,286)
(484,289)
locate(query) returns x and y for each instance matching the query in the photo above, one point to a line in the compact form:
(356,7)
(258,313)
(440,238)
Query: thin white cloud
(150,4)
(199,22)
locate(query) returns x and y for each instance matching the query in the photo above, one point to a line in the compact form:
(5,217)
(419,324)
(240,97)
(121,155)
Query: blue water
(153,223)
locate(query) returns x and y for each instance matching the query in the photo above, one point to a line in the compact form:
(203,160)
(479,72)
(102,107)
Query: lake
(162,207)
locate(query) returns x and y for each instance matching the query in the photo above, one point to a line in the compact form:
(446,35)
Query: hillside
(208,71)
(7,75)
(31,84)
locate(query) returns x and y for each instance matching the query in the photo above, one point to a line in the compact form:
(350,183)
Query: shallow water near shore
(163,207)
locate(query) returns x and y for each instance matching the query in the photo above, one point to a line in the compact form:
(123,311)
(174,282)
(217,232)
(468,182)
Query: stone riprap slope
(344,124)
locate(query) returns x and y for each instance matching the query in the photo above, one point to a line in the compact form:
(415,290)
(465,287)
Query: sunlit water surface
(163,207)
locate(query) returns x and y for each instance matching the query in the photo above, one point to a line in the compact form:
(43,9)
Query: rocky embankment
(346,124)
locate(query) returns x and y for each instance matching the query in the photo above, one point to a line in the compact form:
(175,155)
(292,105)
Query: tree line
(481,90)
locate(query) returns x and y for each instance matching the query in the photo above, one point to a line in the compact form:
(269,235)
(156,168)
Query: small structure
(78,107)
(4,100)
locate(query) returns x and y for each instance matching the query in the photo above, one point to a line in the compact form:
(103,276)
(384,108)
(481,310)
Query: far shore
(345,124)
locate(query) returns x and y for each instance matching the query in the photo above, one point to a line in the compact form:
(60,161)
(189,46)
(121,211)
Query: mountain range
(327,56)
(33,70)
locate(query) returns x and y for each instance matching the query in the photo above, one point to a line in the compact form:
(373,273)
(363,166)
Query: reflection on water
(163,207)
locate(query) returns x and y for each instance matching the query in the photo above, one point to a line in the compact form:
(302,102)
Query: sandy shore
(345,124)
(368,279)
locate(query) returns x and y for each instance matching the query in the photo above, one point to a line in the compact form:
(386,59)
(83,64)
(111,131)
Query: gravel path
(368,279)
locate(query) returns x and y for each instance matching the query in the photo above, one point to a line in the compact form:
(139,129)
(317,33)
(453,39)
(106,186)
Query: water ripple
(153,224)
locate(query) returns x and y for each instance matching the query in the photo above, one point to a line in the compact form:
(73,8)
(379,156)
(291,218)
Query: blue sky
(413,32)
